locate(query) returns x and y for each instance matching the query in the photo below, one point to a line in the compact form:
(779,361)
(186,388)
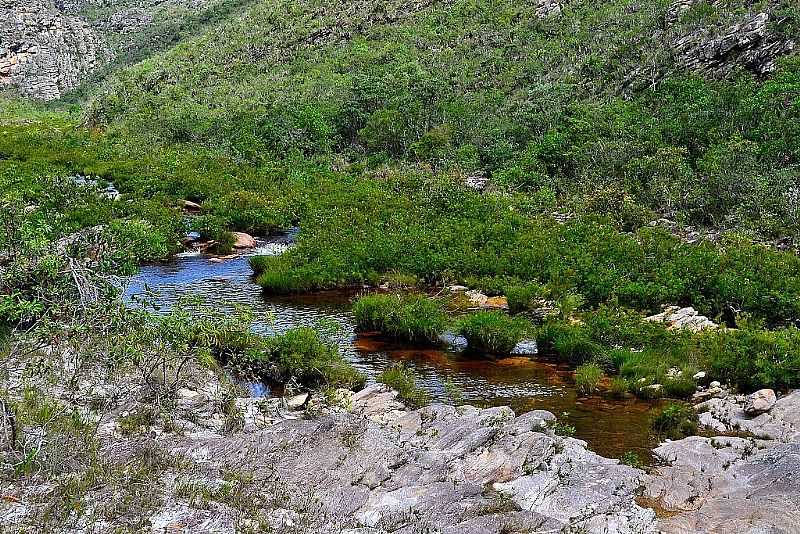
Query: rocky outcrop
(676,318)
(44,52)
(549,8)
(747,43)
(381,468)
(733,484)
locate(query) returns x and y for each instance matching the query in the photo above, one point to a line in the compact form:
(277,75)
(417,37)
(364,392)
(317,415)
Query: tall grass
(413,318)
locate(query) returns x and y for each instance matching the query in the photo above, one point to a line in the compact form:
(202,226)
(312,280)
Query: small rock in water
(760,402)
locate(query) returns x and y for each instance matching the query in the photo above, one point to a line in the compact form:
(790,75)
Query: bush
(402,379)
(413,318)
(675,421)
(679,388)
(631,459)
(753,358)
(492,331)
(569,342)
(523,297)
(587,378)
(300,354)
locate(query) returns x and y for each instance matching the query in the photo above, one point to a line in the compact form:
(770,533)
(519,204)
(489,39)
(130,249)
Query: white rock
(293,403)
(699,375)
(715,384)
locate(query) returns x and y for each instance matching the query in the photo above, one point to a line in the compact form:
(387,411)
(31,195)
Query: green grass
(413,318)
(587,378)
(402,379)
(492,331)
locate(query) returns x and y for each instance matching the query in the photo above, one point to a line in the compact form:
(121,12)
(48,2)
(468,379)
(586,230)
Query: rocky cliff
(43,51)
(48,47)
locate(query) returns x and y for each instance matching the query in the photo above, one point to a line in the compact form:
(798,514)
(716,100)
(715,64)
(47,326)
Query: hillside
(683,106)
(50,49)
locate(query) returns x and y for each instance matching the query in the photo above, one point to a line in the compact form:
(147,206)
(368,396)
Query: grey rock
(43,51)
(383,468)
(733,484)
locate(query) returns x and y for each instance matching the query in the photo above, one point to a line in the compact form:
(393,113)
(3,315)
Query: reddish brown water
(611,427)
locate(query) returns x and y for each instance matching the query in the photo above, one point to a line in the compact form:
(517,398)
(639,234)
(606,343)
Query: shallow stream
(524,382)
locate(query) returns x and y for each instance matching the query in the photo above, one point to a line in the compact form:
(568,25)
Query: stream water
(524,382)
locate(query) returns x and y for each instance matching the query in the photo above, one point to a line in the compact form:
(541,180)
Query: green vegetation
(523,297)
(587,378)
(413,318)
(299,356)
(492,331)
(353,137)
(675,421)
(632,459)
(402,379)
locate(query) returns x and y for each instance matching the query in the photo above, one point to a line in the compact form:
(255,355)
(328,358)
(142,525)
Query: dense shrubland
(546,107)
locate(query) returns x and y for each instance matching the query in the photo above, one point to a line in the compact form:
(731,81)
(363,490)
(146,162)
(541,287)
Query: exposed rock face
(733,484)
(676,318)
(450,470)
(718,51)
(548,8)
(44,52)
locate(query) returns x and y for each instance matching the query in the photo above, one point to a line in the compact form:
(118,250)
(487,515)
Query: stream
(611,427)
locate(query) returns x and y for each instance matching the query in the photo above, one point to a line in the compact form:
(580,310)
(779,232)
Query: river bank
(522,381)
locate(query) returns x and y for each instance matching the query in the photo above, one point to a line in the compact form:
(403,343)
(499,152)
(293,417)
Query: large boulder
(243,240)
(760,402)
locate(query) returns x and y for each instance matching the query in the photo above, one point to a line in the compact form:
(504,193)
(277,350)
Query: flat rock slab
(449,469)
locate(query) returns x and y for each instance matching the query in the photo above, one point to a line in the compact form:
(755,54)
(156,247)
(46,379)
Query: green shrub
(675,421)
(569,342)
(522,298)
(587,378)
(402,379)
(413,318)
(679,388)
(754,358)
(276,276)
(492,331)
(300,354)
(631,459)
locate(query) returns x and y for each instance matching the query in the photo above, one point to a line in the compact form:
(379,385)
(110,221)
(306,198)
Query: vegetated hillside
(675,104)
(49,48)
